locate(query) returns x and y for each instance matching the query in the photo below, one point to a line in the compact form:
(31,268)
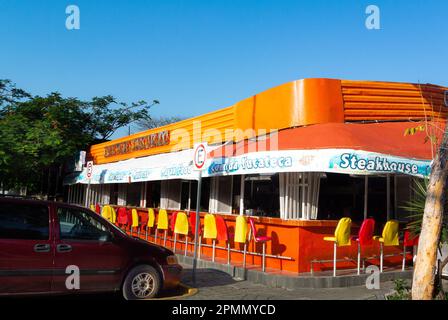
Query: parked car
(44,244)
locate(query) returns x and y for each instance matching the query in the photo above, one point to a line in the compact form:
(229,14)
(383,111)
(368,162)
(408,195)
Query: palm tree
(416,207)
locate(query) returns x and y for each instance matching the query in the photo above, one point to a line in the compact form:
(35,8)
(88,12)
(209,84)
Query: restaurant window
(261,195)
(221,194)
(170,195)
(133,194)
(377,200)
(185,195)
(299,195)
(404,193)
(153,194)
(113,194)
(236,194)
(341,195)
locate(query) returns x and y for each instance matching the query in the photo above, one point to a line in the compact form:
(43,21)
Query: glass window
(171,194)
(341,195)
(133,194)
(261,195)
(113,194)
(79,225)
(153,194)
(27,222)
(236,194)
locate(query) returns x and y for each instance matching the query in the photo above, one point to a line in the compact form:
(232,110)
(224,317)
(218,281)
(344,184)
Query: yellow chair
(92,207)
(241,235)
(151,220)
(106,213)
(114,215)
(181,227)
(162,224)
(388,238)
(210,232)
(134,215)
(341,238)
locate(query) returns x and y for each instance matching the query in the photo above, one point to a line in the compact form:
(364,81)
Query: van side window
(78,225)
(26,222)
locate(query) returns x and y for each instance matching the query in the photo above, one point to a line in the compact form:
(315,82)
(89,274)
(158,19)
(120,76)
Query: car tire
(142,282)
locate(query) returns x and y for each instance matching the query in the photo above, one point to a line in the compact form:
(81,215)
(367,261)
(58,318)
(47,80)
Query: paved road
(216,285)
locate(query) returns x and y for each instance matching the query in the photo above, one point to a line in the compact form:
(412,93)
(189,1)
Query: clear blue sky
(198,56)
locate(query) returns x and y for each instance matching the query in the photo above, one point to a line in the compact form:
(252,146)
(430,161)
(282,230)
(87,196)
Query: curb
(189,292)
(291,282)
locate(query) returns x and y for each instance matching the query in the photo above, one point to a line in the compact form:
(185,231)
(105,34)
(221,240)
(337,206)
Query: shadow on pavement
(206,278)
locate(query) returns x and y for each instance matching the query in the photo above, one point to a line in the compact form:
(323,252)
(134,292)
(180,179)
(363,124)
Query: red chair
(408,241)
(129,221)
(172,225)
(223,234)
(262,239)
(142,221)
(122,217)
(365,237)
(97,208)
(192,221)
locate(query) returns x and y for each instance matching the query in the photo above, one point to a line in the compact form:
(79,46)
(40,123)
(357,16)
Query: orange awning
(389,138)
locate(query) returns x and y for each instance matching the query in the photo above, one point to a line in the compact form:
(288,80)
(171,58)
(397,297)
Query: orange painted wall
(300,240)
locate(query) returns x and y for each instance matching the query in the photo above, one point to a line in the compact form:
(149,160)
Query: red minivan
(53,248)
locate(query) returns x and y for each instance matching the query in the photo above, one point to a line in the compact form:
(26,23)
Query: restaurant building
(298,157)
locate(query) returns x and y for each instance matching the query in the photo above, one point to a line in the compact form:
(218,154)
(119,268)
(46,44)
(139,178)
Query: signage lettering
(142,143)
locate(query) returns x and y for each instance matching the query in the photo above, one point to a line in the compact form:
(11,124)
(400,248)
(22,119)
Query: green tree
(39,134)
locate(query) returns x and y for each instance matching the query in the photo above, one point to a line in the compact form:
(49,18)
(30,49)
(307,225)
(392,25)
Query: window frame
(104,223)
(23,204)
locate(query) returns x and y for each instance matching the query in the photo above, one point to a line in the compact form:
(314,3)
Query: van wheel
(142,282)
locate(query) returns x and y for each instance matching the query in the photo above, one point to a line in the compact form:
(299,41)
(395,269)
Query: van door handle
(40,247)
(64,248)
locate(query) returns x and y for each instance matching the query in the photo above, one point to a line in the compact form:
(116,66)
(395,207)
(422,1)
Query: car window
(75,224)
(24,221)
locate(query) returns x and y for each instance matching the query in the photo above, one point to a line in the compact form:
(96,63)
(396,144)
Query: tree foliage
(40,132)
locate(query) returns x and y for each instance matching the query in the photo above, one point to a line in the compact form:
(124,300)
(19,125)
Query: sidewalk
(217,285)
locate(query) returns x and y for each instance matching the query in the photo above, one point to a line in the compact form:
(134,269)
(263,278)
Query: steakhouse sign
(142,143)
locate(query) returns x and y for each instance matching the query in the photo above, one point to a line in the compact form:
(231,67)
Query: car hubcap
(142,285)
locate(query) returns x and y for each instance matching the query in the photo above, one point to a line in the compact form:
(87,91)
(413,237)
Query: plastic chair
(408,241)
(365,237)
(172,226)
(389,238)
(134,219)
(113,215)
(151,220)
(106,213)
(241,235)
(162,224)
(142,221)
(181,227)
(129,224)
(341,238)
(210,232)
(93,208)
(262,239)
(97,208)
(222,234)
(192,220)
(122,217)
